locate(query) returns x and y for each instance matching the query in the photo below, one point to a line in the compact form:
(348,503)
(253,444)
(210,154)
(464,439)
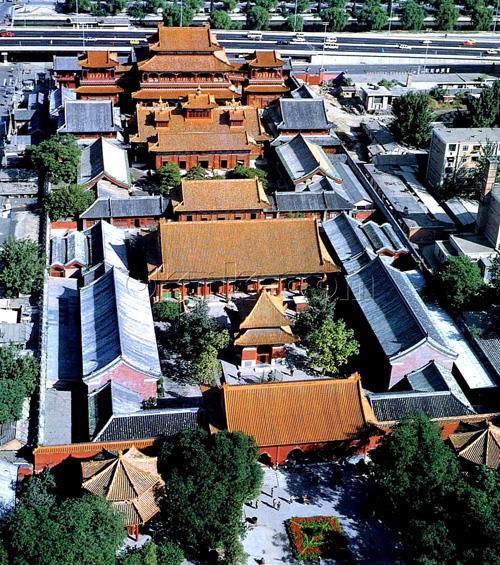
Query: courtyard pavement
(370,541)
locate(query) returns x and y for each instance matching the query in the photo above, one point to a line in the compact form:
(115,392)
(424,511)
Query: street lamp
(324,43)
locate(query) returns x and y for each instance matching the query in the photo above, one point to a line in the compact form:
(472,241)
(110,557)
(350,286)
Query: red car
(468,43)
(7,34)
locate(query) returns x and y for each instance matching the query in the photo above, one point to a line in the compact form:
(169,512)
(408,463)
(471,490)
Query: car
(404,46)
(283,42)
(7,34)
(468,43)
(134,42)
(492,51)
(426,41)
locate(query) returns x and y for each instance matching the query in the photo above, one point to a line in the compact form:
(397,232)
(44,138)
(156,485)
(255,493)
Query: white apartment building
(453,149)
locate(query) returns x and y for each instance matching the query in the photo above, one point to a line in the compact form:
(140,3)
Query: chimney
(484,200)
(409,80)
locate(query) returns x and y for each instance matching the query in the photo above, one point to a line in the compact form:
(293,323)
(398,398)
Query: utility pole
(295,18)
(390,17)
(324,43)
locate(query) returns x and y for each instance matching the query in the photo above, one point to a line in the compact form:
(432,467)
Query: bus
(331,43)
(255,35)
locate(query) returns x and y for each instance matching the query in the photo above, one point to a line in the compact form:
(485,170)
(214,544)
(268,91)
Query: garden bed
(318,536)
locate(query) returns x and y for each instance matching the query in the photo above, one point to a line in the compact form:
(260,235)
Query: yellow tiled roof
(222,194)
(481,447)
(184,39)
(237,249)
(268,312)
(298,412)
(266,336)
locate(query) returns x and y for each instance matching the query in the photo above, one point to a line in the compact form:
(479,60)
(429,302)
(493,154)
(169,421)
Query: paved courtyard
(370,541)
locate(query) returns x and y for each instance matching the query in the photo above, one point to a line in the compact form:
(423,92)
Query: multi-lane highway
(439,45)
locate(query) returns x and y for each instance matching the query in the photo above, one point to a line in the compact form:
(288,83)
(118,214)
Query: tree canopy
(18,375)
(447,15)
(21,267)
(58,156)
(481,16)
(258,18)
(208,478)
(152,554)
(373,15)
(68,201)
(412,16)
(337,18)
(242,172)
(459,281)
(320,308)
(172,15)
(412,125)
(220,19)
(168,176)
(196,173)
(484,111)
(446,516)
(199,340)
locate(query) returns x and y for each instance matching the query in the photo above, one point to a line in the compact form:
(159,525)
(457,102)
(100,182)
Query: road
(357,44)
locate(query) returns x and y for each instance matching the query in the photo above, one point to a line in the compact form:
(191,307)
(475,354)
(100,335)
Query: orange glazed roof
(127,481)
(173,142)
(266,59)
(98,60)
(176,93)
(98,89)
(267,312)
(209,63)
(275,88)
(222,194)
(298,412)
(200,100)
(184,40)
(237,249)
(266,336)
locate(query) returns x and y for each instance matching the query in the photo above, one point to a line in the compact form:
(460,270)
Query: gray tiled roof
(117,324)
(322,140)
(58,97)
(135,207)
(66,63)
(351,184)
(427,379)
(303,114)
(89,116)
(108,400)
(301,159)
(107,244)
(149,424)
(68,249)
(394,310)
(309,201)
(303,92)
(104,158)
(394,406)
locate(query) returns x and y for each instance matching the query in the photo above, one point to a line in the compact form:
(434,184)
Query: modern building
(458,149)
(216,257)
(374,97)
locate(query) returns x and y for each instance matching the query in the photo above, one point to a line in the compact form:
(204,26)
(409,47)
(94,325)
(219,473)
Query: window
(474,159)
(448,170)
(189,218)
(223,164)
(452,147)
(465,148)
(198,113)
(450,159)
(137,223)
(204,164)
(476,148)
(182,165)
(463,159)
(221,217)
(253,216)
(238,218)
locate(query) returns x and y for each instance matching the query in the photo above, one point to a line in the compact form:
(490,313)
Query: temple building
(198,132)
(293,419)
(181,60)
(266,81)
(260,329)
(224,199)
(213,257)
(478,444)
(129,481)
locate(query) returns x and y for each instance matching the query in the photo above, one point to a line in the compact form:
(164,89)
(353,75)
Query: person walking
(278,505)
(257,503)
(272,492)
(274,503)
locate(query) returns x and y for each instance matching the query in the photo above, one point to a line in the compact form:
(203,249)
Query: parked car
(492,51)
(7,34)
(404,46)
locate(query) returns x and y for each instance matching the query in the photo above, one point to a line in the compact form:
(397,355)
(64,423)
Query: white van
(254,35)
(331,43)
(299,38)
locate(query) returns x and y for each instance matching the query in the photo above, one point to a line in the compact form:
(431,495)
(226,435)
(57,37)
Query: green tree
(58,157)
(79,531)
(303,6)
(336,17)
(459,281)
(172,15)
(412,16)
(294,23)
(116,6)
(241,172)
(40,490)
(412,125)
(199,340)
(331,345)
(229,5)
(21,267)
(136,11)
(320,308)
(447,15)
(153,554)
(18,375)
(373,16)
(168,176)
(166,311)
(197,173)
(208,478)
(495,276)
(268,5)
(484,111)
(219,19)
(152,6)
(258,18)
(68,201)
(481,16)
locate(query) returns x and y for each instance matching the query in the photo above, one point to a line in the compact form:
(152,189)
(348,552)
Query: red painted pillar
(280,286)
(159,294)
(205,289)
(301,283)
(183,291)
(227,288)
(258,285)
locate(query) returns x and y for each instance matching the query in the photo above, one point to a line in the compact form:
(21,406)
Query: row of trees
(447,516)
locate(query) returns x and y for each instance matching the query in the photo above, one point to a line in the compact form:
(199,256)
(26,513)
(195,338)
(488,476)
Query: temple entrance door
(264,354)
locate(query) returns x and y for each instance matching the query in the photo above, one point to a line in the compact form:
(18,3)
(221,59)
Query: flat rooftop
(467,135)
